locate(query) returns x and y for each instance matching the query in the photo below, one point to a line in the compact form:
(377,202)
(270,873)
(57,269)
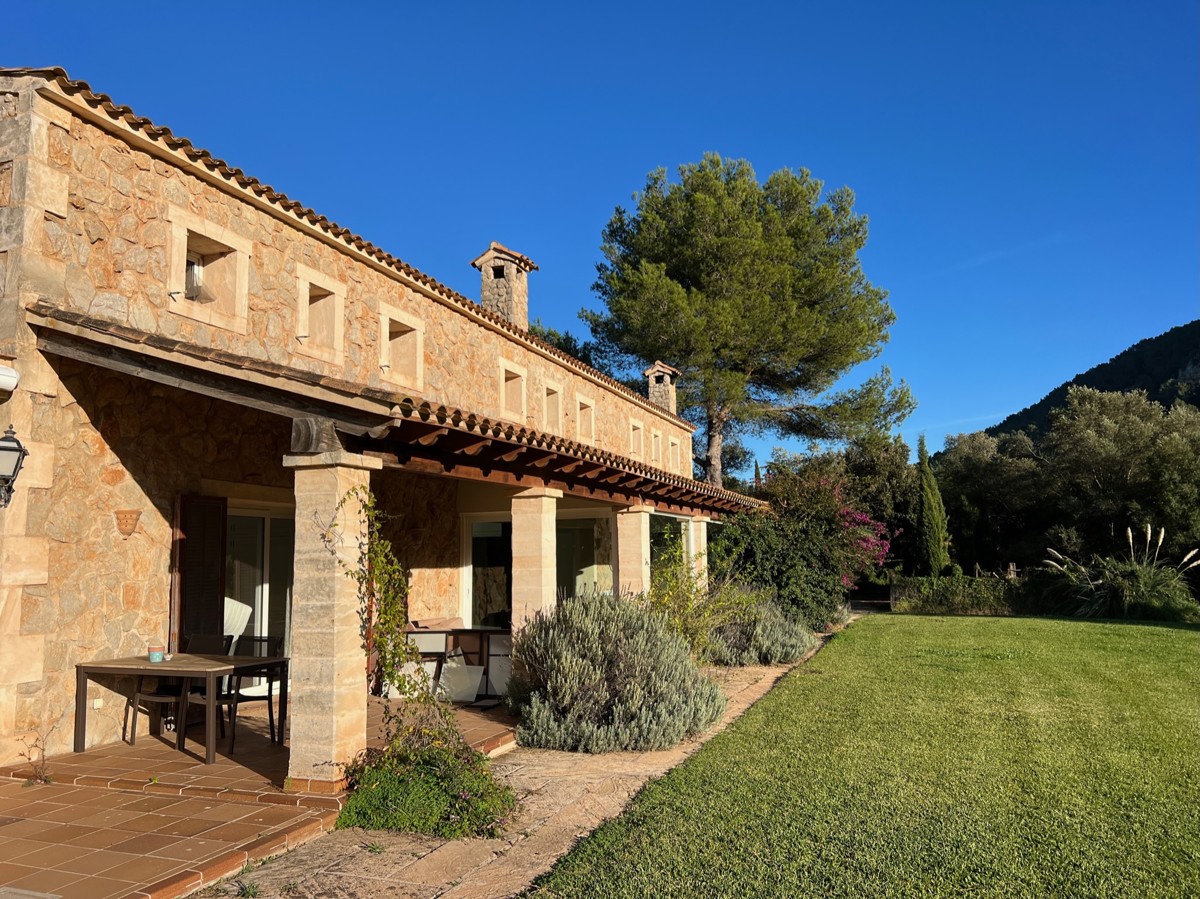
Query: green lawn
(926,756)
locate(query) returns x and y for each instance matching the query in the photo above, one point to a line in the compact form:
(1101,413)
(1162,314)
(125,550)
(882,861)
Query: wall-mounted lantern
(12,455)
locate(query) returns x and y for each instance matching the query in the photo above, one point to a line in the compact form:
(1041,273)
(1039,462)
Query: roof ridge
(163,134)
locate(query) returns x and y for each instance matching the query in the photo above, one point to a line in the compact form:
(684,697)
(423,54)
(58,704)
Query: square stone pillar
(534,552)
(633,549)
(697,545)
(328,673)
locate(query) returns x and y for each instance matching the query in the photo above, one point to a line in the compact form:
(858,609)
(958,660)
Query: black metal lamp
(12,456)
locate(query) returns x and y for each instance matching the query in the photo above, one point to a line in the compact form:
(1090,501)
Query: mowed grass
(927,756)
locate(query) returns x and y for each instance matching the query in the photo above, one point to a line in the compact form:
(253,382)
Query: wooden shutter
(199,551)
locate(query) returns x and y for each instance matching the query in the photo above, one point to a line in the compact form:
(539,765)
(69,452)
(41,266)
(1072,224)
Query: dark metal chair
(262,647)
(209,645)
(167,691)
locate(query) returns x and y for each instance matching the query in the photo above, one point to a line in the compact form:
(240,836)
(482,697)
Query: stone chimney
(662,385)
(505,286)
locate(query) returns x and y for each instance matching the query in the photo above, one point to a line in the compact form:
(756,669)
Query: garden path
(563,795)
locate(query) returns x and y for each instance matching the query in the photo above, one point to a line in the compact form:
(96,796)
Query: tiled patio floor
(150,821)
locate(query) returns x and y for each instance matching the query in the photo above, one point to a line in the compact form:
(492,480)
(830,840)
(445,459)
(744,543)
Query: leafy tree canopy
(1108,461)
(755,292)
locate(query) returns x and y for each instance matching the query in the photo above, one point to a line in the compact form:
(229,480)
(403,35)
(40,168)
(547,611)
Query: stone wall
(118,443)
(113,239)
(423,527)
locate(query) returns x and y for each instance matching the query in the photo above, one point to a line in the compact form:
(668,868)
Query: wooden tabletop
(182,664)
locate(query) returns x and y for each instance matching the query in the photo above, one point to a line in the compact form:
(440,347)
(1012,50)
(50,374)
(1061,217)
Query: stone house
(207,367)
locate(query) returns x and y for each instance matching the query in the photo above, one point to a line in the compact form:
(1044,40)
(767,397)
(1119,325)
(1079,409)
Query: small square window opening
(586,421)
(513,392)
(553,411)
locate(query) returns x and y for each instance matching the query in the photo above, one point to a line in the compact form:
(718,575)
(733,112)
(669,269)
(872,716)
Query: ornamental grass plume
(1141,586)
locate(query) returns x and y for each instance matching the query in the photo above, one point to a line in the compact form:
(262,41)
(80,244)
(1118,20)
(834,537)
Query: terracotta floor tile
(145,843)
(54,855)
(28,830)
(61,814)
(10,872)
(97,888)
(101,838)
(107,861)
(52,792)
(12,850)
(100,771)
(90,863)
(235,832)
(45,881)
(151,804)
(201,808)
(273,815)
(93,817)
(210,780)
(187,827)
(30,809)
(63,833)
(147,823)
(145,869)
(193,850)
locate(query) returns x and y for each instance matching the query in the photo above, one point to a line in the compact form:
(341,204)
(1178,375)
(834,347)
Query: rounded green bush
(599,674)
(432,790)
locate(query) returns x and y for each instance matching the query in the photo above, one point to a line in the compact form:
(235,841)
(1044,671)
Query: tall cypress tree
(933,534)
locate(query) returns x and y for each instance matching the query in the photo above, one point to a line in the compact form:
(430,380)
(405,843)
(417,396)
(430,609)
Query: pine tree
(756,293)
(933,535)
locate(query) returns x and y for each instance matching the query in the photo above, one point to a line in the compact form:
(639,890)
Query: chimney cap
(660,366)
(495,250)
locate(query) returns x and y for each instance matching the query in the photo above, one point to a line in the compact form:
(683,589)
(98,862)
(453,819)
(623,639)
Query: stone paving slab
(564,796)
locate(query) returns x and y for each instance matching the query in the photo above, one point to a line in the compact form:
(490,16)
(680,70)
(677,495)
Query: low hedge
(957,594)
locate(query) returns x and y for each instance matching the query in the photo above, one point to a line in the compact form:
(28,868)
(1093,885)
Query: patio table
(461,635)
(199,668)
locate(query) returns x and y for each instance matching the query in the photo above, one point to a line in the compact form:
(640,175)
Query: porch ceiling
(404,432)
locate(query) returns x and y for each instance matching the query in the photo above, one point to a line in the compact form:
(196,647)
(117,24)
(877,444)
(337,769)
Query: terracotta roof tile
(406,407)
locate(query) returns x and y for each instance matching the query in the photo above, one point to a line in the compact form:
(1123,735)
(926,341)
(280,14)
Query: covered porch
(242,473)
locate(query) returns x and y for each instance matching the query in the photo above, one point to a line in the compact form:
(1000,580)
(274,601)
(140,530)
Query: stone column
(633,549)
(329,680)
(697,547)
(534,552)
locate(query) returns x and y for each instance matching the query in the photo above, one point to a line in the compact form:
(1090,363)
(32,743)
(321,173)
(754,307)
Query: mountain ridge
(1167,367)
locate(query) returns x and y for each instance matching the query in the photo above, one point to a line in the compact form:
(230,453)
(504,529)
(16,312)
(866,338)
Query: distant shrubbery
(1139,585)
(957,595)
(601,673)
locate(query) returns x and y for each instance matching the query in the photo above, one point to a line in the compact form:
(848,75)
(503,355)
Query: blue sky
(1030,170)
